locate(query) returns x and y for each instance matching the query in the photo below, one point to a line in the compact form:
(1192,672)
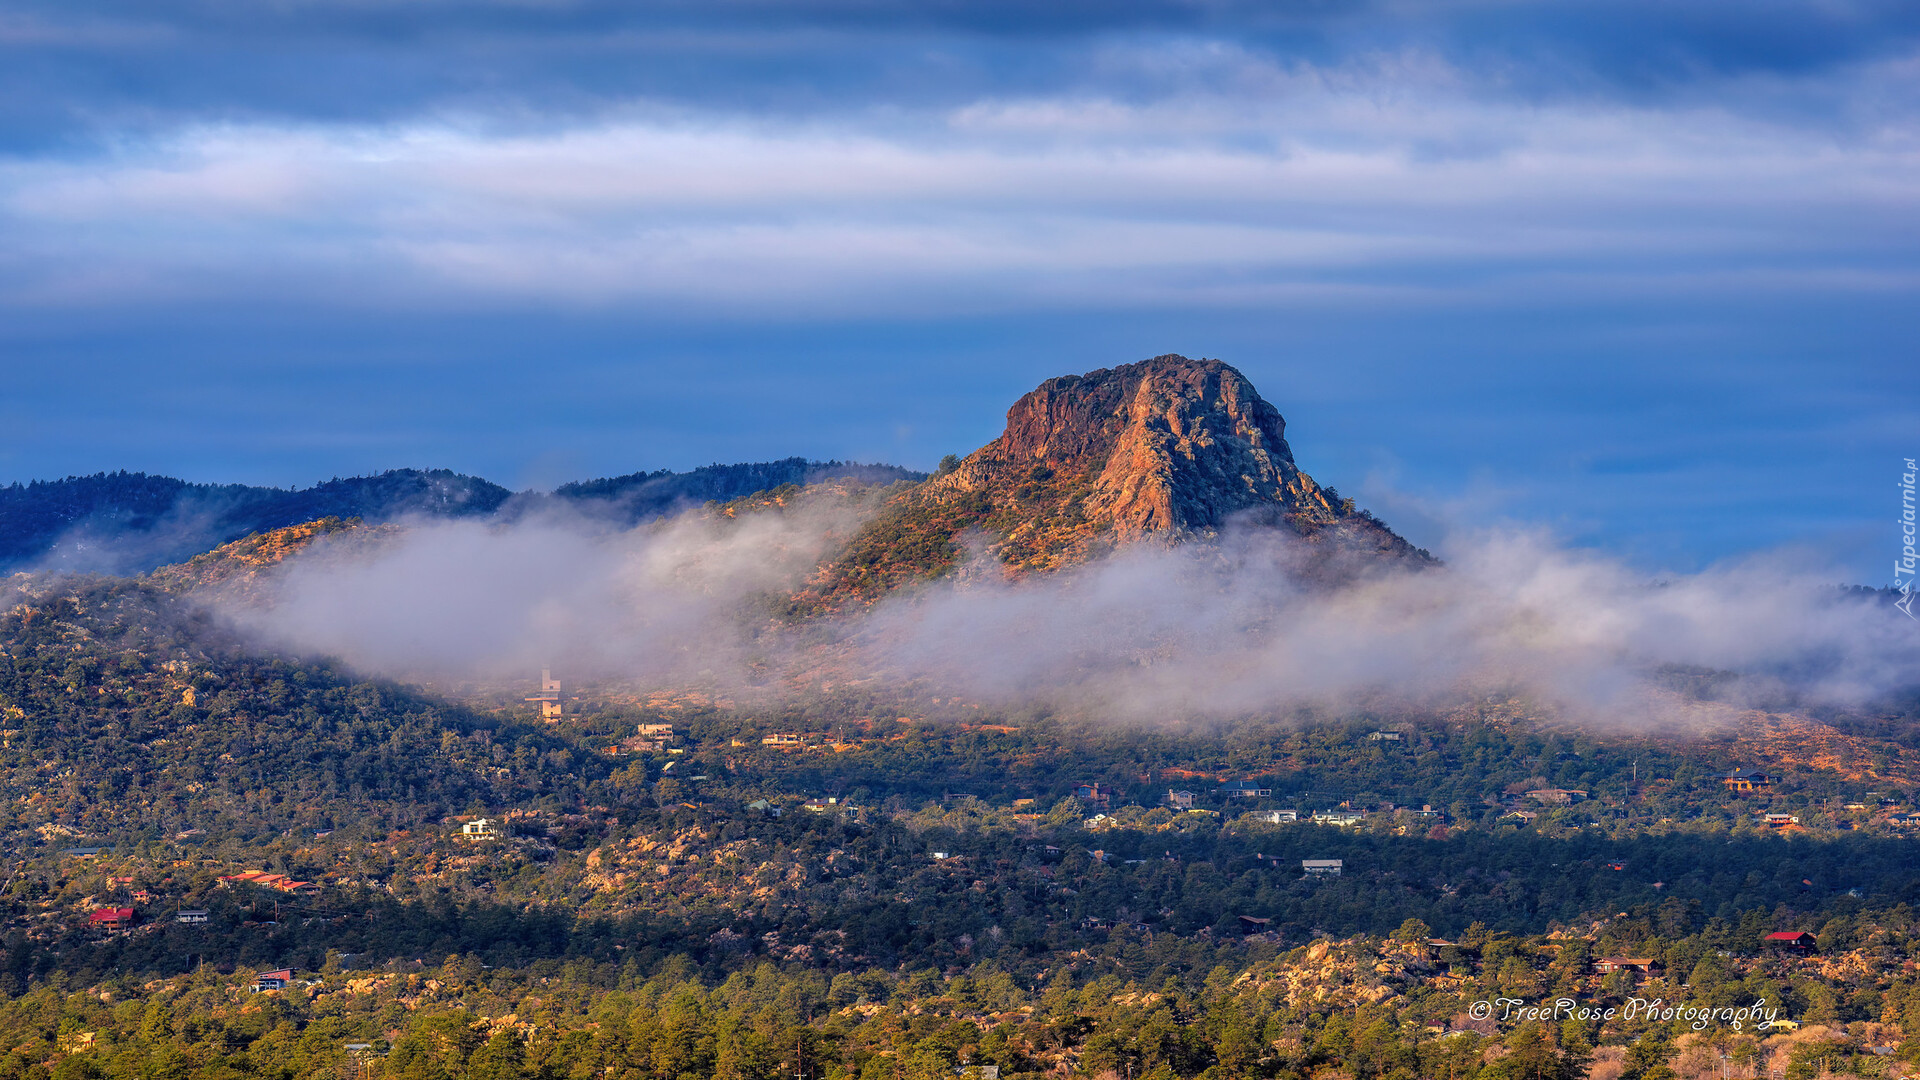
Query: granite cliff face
(1165,450)
(1165,447)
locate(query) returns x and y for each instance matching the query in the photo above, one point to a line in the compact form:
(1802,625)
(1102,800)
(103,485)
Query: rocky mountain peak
(1168,449)
(1163,447)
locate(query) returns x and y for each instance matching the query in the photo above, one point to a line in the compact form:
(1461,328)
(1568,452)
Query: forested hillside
(855,884)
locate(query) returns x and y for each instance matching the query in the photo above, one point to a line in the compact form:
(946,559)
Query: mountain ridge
(124,522)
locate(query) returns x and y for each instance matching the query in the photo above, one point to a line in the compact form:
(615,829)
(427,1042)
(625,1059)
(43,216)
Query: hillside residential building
(1322,867)
(1181,800)
(272,881)
(1096,793)
(1747,780)
(1644,966)
(112,918)
(1245,789)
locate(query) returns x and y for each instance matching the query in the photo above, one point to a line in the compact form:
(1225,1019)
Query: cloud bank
(1196,632)
(867,159)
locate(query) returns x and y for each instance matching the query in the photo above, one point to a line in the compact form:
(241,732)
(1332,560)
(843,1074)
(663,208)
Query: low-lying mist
(1233,628)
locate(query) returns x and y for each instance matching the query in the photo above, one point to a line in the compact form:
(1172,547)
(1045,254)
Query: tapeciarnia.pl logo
(1903,567)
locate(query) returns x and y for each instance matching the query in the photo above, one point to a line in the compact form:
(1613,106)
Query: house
(111,918)
(1778,821)
(1245,789)
(1557,796)
(784,738)
(1384,736)
(1250,924)
(81,852)
(663,732)
(479,827)
(1428,813)
(1321,867)
(1792,940)
(977,1072)
(1747,780)
(272,881)
(821,806)
(764,807)
(1096,793)
(194,915)
(1525,816)
(1275,817)
(551,708)
(1180,800)
(1338,817)
(272,980)
(1644,966)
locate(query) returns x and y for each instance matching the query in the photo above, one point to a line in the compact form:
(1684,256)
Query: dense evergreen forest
(890,888)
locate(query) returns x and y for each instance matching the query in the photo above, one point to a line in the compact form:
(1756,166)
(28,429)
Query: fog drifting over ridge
(1198,631)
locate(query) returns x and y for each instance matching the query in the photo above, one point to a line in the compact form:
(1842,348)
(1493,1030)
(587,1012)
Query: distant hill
(638,496)
(132,522)
(129,523)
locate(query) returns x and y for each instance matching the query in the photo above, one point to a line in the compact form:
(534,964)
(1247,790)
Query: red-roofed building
(1798,940)
(271,881)
(272,980)
(112,918)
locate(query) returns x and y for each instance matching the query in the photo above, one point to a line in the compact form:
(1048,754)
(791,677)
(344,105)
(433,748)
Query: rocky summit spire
(1168,449)
(1168,446)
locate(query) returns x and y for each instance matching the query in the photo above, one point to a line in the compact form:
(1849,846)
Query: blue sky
(1643,274)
